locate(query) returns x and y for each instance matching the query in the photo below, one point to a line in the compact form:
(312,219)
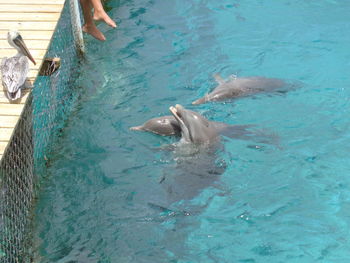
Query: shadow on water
(194,170)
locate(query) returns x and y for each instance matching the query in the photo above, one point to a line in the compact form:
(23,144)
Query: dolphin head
(165,125)
(194,127)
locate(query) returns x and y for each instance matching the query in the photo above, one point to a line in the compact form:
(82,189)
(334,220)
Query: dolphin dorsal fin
(218,78)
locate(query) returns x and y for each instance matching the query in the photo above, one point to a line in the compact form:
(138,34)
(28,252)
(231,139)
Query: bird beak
(20,43)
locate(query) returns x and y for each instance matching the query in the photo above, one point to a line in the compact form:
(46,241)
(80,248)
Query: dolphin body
(172,125)
(196,168)
(169,126)
(236,87)
(197,165)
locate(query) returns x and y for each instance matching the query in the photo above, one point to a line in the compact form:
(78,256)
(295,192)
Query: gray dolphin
(197,129)
(169,126)
(194,127)
(165,125)
(236,87)
(197,164)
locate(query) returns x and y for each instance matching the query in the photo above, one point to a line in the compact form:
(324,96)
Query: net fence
(43,117)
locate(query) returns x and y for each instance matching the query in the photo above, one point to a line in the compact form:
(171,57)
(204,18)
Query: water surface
(289,203)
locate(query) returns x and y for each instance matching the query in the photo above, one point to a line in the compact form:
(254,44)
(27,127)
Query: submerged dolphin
(196,168)
(197,160)
(197,164)
(236,87)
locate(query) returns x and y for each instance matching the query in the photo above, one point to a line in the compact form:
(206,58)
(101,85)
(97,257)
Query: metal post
(76,25)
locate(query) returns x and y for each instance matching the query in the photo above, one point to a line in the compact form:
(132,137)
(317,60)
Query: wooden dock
(36,20)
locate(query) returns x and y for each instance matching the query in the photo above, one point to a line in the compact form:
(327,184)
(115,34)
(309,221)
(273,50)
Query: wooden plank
(36,20)
(28,25)
(37,66)
(2,147)
(29,16)
(30,35)
(33,72)
(8,121)
(31,44)
(33,69)
(31,65)
(5,134)
(5,100)
(33,2)
(29,80)
(25,8)
(36,53)
(11,109)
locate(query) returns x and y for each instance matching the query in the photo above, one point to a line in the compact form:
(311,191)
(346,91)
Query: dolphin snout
(177,110)
(172,109)
(179,107)
(136,128)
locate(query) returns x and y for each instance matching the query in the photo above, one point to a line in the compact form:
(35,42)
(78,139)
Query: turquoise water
(102,200)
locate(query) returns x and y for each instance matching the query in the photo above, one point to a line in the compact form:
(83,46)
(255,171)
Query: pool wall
(22,167)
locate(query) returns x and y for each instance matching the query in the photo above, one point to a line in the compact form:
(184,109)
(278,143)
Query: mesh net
(16,193)
(54,95)
(43,117)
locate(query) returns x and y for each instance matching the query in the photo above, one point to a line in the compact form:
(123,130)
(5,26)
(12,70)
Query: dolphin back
(241,87)
(199,101)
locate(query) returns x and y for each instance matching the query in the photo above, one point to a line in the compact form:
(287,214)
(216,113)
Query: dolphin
(169,126)
(198,130)
(197,166)
(164,125)
(194,127)
(197,162)
(236,87)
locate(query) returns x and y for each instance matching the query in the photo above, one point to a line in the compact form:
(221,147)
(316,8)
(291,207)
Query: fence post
(76,25)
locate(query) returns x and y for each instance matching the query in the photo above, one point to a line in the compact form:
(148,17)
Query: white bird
(14,70)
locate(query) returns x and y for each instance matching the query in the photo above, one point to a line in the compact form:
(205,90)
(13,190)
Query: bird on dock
(14,70)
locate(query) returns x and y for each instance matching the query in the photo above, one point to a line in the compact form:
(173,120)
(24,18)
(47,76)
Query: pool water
(103,200)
